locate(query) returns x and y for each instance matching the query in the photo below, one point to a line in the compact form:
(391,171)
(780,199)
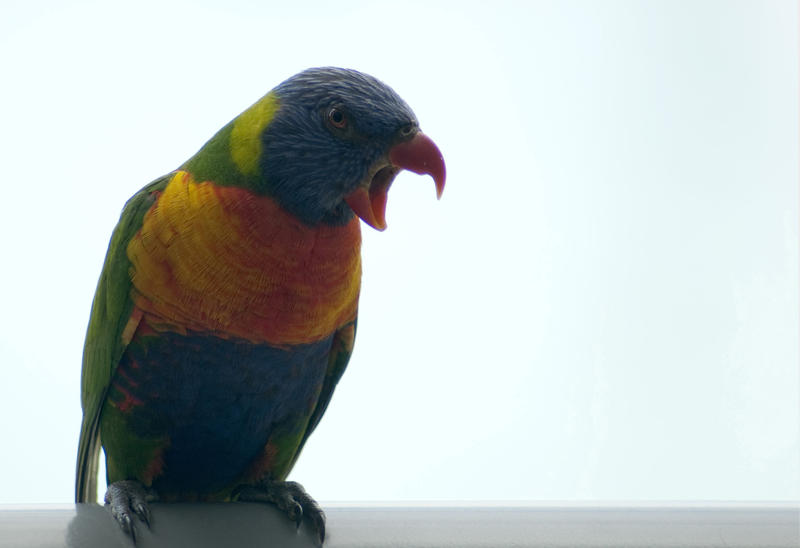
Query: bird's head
(332,141)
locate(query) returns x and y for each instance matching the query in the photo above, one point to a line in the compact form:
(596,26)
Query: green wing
(341,349)
(104,346)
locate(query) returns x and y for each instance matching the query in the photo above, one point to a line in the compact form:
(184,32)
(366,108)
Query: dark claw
(319,524)
(143,511)
(126,524)
(295,513)
(290,498)
(125,499)
(312,509)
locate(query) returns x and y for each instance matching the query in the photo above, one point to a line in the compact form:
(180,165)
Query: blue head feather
(309,166)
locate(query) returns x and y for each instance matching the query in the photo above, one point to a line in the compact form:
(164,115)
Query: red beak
(420,155)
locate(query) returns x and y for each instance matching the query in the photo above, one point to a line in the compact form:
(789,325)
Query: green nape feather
(231,156)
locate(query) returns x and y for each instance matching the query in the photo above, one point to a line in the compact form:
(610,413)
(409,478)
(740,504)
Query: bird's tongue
(420,155)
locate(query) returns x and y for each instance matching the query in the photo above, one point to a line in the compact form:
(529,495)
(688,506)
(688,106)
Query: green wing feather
(341,349)
(104,346)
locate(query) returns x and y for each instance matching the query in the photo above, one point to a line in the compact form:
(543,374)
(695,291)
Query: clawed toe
(126,499)
(290,498)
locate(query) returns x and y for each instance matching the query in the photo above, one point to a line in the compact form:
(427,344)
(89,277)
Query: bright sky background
(603,305)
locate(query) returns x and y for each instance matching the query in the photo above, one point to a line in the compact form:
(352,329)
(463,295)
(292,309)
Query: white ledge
(430,526)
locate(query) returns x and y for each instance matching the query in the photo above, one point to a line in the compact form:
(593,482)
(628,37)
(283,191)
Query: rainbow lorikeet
(226,310)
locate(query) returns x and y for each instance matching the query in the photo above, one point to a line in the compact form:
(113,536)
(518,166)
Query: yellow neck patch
(245,140)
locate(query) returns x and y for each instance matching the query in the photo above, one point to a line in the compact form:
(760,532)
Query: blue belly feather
(218,401)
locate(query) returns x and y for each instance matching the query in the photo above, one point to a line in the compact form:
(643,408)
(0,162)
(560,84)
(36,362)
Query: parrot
(226,309)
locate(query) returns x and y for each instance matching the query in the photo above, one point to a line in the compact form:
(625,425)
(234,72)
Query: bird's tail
(86,468)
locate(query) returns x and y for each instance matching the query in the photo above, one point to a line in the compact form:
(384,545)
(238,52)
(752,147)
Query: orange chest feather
(221,259)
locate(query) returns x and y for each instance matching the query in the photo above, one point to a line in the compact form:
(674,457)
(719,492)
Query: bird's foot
(126,499)
(290,498)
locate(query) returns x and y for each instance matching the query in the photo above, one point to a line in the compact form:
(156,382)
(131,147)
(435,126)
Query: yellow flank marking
(245,140)
(130,327)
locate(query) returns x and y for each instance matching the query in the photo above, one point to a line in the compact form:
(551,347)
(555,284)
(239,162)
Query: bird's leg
(289,497)
(128,498)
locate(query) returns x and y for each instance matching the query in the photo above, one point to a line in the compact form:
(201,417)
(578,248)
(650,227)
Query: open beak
(420,155)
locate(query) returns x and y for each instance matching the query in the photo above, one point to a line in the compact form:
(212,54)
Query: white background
(603,305)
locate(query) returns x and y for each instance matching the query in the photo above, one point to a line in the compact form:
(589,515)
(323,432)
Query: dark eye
(337,118)
(407,130)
